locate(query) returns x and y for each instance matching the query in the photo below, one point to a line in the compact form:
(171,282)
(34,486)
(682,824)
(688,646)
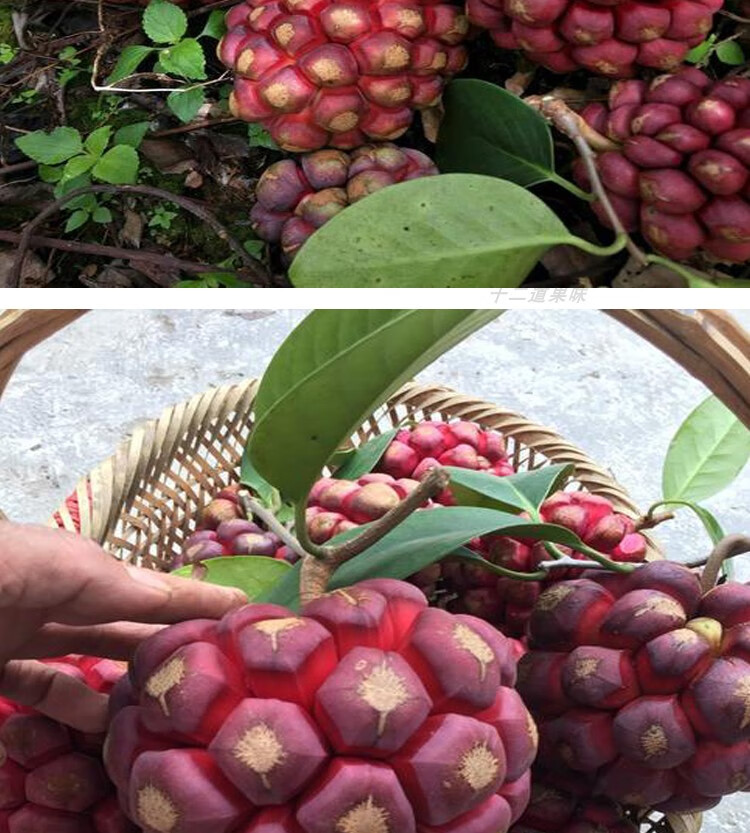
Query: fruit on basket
(681,176)
(52,779)
(607,37)
(224,530)
(369,711)
(327,73)
(296,197)
(641,685)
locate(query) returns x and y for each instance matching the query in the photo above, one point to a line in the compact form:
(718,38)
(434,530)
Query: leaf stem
(253,507)
(570,186)
(605,561)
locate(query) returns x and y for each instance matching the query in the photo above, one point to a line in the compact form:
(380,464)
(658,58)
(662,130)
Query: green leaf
(164,22)
(422,539)
(522,492)
(102,215)
(710,523)
(132,134)
(730,52)
(185,104)
(128,62)
(250,476)
(49,174)
(185,58)
(119,165)
(332,371)
(98,140)
(254,247)
(255,574)
(258,136)
(51,148)
(363,460)
(487,130)
(77,219)
(698,53)
(708,451)
(78,165)
(215,26)
(454,230)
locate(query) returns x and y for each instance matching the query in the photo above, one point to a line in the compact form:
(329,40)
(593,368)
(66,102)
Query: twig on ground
(257,270)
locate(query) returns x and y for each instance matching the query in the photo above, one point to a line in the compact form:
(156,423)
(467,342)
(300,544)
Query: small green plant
(69,161)
(211,280)
(162,217)
(166,25)
(728,51)
(71,65)
(7,53)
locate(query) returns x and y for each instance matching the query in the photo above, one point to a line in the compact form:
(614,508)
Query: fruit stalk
(728,547)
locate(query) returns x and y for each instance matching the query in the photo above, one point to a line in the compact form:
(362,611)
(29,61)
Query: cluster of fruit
(342,73)
(378,708)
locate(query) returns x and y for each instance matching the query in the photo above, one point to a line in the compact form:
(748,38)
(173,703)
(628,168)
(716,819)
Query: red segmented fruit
(368,711)
(330,73)
(642,696)
(609,38)
(293,198)
(52,779)
(682,174)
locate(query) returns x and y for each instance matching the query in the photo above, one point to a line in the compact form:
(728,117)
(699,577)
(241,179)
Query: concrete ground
(73,398)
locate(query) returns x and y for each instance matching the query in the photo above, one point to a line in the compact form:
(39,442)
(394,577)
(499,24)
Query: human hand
(61,593)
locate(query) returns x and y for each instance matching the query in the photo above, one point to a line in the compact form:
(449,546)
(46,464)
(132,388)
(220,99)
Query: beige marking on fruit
(326,70)
(654,741)
(343,122)
(156,810)
(439,61)
(551,598)
(583,36)
(739,781)
(478,767)
(257,12)
(344,19)
(245,61)
(273,628)
(65,786)
(260,749)
(384,691)
(365,817)
(395,57)
(164,679)
(742,693)
(472,642)
(353,600)
(710,630)
(532,730)
(683,637)
(606,68)
(277,95)
(585,668)
(409,19)
(661,604)
(517,8)
(284,33)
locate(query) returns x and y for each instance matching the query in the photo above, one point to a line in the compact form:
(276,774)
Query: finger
(116,641)
(75,582)
(54,694)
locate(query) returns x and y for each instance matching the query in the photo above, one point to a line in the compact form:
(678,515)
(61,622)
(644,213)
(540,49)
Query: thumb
(54,694)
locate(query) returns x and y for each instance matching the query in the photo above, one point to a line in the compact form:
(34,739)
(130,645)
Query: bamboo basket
(142,502)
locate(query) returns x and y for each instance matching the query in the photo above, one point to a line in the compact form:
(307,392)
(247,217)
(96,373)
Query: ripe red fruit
(52,779)
(369,711)
(322,73)
(609,37)
(641,695)
(688,154)
(296,198)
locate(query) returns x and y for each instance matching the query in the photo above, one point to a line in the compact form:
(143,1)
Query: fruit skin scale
(368,711)
(335,73)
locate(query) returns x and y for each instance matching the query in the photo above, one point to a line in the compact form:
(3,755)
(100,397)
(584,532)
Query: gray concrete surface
(73,398)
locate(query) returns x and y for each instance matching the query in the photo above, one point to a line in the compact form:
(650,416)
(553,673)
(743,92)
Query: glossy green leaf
(128,62)
(487,130)
(185,104)
(164,22)
(185,58)
(51,148)
(98,140)
(453,230)
(707,453)
(251,477)
(522,492)
(119,165)
(255,574)
(363,460)
(132,134)
(331,373)
(422,539)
